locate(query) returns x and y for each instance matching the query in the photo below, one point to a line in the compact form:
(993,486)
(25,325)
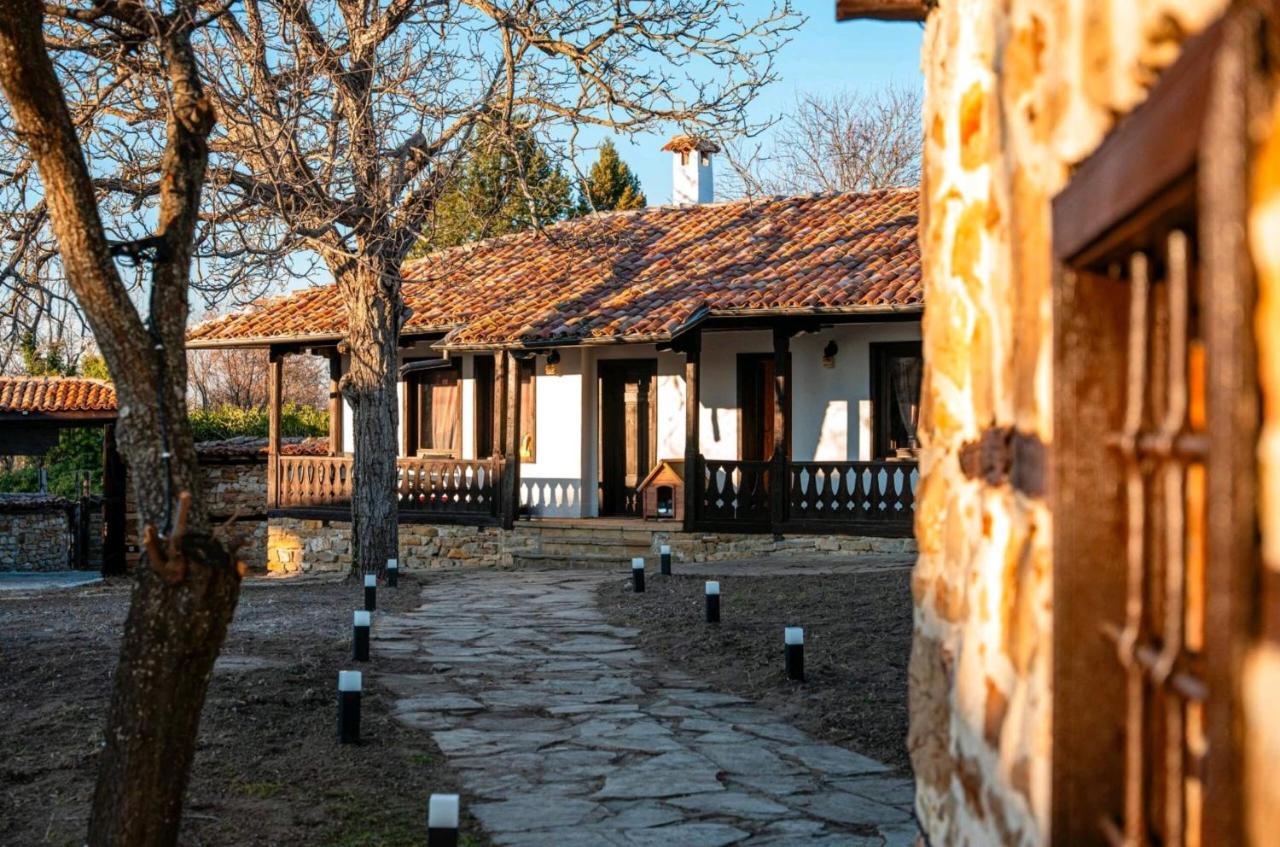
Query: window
(435,412)
(528,411)
(896,371)
(1155,418)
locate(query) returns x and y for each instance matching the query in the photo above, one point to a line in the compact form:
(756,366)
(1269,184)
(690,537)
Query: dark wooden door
(628,432)
(756,405)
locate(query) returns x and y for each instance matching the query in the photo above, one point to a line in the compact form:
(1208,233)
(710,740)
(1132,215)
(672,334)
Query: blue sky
(823,55)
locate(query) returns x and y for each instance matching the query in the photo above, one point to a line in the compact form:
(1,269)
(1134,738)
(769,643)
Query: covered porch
(790,424)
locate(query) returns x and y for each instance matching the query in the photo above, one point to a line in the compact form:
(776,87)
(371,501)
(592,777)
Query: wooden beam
(779,482)
(275,388)
(114,522)
(499,403)
(337,407)
(692,426)
(883,10)
(511,446)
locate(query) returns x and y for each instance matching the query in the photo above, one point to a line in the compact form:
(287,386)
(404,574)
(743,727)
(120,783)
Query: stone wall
(297,545)
(35,533)
(1017,91)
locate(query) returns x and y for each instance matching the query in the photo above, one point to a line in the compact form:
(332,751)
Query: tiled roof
(249,446)
(636,276)
(48,395)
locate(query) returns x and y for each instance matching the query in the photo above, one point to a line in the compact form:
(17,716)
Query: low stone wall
(297,545)
(35,533)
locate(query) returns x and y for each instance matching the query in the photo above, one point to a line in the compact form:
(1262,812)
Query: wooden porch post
(779,476)
(511,445)
(692,426)
(275,387)
(337,408)
(499,439)
(113,505)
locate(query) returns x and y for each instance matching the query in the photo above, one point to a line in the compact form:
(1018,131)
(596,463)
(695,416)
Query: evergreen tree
(490,199)
(610,184)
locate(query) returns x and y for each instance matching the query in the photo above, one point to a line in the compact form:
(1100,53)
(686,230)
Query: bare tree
(125,53)
(839,141)
(342,123)
(238,377)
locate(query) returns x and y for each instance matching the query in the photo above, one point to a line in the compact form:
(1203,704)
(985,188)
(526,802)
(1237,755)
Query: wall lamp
(829,354)
(553,363)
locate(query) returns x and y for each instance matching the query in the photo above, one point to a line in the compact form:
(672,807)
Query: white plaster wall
(830,411)
(553,483)
(718,427)
(468,392)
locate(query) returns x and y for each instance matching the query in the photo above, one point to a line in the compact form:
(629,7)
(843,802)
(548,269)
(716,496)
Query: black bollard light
(713,602)
(360,637)
(637,574)
(370,592)
(349,707)
(393,573)
(793,636)
(664,557)
(442,820)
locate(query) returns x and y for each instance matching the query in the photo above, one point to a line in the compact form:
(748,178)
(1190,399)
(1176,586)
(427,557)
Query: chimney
(691,180)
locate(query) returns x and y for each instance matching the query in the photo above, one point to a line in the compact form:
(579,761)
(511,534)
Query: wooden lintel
(883,10)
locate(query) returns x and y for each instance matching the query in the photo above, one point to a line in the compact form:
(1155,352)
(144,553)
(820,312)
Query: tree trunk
(371,290)
(186,593)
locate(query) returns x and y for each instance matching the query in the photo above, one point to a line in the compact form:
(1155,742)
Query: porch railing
(734,491)
(865,495)
(423,486)
(875,498)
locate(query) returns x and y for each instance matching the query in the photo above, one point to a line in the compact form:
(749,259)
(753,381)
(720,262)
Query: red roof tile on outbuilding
(55,395)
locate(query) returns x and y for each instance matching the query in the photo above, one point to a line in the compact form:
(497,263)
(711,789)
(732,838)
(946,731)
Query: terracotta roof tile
(52,395)
(631,276)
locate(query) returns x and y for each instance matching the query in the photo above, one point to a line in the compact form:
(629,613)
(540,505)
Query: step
(595,562)
(576,548)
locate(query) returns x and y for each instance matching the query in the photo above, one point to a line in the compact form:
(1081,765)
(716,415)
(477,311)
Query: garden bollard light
(360,637)
(713,602)
(637,575)
(664,553)
(393,573)
(442,820)
(370,592)
(794,638)
(349,707)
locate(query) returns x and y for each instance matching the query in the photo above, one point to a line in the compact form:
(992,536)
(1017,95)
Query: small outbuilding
(662,491)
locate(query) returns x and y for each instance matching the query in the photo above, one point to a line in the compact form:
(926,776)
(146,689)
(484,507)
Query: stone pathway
(567,735)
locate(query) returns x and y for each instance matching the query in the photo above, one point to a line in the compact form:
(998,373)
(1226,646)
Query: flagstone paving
(567,735)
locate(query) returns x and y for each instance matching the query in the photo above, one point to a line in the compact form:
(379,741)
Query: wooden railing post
(692,426)
(779,485)
(275,384)
(511,445)
(336,405)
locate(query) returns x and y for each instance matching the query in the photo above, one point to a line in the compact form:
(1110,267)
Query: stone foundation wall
(35,536)
(1017,91)
(295,545)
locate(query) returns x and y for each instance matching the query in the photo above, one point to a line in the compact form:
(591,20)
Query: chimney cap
(689,144)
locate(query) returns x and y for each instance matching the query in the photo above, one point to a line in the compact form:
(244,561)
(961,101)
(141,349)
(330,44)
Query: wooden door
(628,432)
(756,404)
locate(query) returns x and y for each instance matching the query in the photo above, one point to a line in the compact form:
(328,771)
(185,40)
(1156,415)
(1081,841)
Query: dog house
(662,491)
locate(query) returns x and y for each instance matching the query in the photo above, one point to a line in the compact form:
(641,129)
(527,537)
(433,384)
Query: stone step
(602,535)
(561,560)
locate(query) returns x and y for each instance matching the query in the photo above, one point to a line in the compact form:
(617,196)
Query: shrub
(232,421)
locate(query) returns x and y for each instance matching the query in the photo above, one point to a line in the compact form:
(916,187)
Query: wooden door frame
(603,365)
(878,352)
(747,363)
(412,387)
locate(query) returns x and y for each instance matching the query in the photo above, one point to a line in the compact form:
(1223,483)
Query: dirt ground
(268,767)
(857,630)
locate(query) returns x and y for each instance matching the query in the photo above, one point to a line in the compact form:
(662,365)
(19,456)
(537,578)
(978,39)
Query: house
(558,368)
(1096,656)
(34,410)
